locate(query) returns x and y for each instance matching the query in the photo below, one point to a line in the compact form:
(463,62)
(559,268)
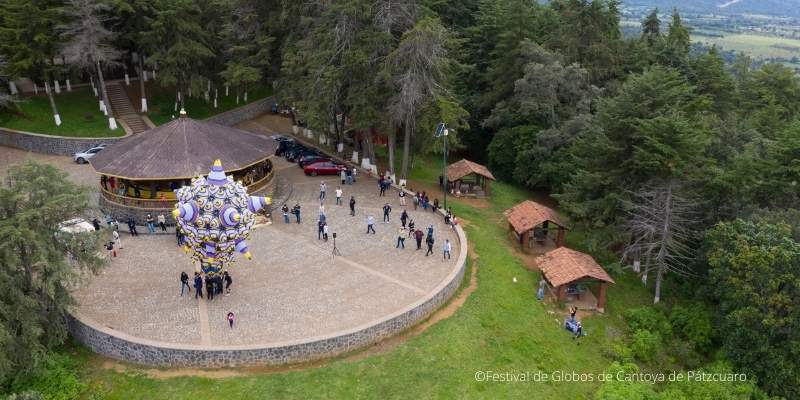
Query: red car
(323,168)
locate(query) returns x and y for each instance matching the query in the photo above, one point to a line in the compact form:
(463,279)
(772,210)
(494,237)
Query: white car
(82,157)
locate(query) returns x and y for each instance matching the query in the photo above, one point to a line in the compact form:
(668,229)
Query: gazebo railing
(138,202)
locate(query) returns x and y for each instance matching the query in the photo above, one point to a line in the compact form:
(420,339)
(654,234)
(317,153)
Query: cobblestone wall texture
(114,344)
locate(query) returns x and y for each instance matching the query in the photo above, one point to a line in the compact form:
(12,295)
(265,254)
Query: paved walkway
(293,289)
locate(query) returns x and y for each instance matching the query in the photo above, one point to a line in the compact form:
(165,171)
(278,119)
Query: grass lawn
(501,328)
(34,114)
(161,102)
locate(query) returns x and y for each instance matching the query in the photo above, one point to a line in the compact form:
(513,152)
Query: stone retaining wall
(118,345)
(47,144)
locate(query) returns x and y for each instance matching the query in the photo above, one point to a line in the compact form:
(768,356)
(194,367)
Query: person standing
(404,218)
(401,238)
(285,211)
(402,195)
(415,200)
(430,230)
(370,224)
(185,282)
(110,248)
(320,228)
(198,285)
(117,239)
(446,249)
(355,171)
(151,228)
(386,210)
(343,175)
(411,227)
(435,205)
(429,242)
(178,236)
(418,235)
(210,288)
(322,188)
(296,212)
(96,224)
(228,282)
(339,196)
(231,317)
(349,176)
(454,222)
(352,206)
(325,231)
(162,222)
(132,226)
(384,185)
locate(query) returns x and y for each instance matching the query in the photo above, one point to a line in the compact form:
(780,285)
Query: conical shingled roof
(182,148)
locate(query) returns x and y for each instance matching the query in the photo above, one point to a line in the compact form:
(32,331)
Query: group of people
(213,284)
(348,175)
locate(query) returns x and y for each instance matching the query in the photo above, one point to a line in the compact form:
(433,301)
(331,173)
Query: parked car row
(311,160)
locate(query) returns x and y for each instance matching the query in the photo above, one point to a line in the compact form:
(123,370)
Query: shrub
(645,345)
(55,379)
(26,396)
(693,323)
(648,318)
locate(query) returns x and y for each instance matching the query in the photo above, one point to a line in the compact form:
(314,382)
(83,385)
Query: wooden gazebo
(571,273)
(529,224)
(466,178)
(138,174)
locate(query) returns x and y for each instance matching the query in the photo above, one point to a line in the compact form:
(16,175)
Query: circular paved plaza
(293,290)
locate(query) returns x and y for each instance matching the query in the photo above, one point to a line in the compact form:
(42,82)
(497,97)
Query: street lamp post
(442,132)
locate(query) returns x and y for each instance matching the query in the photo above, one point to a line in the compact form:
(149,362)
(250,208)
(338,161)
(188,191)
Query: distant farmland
(756,46)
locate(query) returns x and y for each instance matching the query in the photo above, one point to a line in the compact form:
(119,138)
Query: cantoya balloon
(215,215)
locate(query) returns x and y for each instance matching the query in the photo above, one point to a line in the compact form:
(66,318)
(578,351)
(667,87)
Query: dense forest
(684,165)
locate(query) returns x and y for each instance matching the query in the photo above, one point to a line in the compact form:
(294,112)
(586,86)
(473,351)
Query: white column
(175,109)
(57,86)
(35,88)
(179,96)
(69,86)
(103,107)
(237,99)
(340,147)
(354,159)
(245,96)
(112,123)
(154,74)
(127,80)
(47,87)
(215,102)
(144,75)
(226,90)
(144,105)
(58,119)
(12,87)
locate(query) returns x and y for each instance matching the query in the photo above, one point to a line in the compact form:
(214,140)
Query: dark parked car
(297,155)
(311,159)
(284,145)
(323,168)
(292,150)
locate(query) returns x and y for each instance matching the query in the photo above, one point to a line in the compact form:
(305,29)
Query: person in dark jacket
(132,226)
(198,285)
(228,282)
(418,235)
(96,224)
(429,242)
(185,282)
(352,206)
(210,287)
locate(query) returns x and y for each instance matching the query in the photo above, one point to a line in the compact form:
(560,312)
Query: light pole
(442,132)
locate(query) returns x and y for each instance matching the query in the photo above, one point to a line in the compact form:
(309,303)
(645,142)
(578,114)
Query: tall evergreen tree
(29,41)
(39,263)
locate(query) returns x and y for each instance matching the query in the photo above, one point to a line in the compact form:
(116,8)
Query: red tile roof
(460,169)
(528,214)
(563,265)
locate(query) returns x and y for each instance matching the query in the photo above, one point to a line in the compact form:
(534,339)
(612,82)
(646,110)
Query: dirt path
(382,347)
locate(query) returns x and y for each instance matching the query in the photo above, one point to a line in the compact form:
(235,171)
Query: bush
(648,318)
(26,396)
(55,379)
(683,352)
(645,345)
(693,323)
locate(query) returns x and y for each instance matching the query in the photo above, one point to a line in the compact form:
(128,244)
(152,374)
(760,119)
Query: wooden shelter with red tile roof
(466,178)
(568,271)
(529,223)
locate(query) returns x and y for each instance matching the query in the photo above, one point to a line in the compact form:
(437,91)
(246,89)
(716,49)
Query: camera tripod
(335,251)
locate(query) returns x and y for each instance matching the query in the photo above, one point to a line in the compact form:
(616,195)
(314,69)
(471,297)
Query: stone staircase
(123,109)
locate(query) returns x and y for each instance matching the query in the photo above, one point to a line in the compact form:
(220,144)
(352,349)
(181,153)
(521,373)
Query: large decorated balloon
(215,215)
